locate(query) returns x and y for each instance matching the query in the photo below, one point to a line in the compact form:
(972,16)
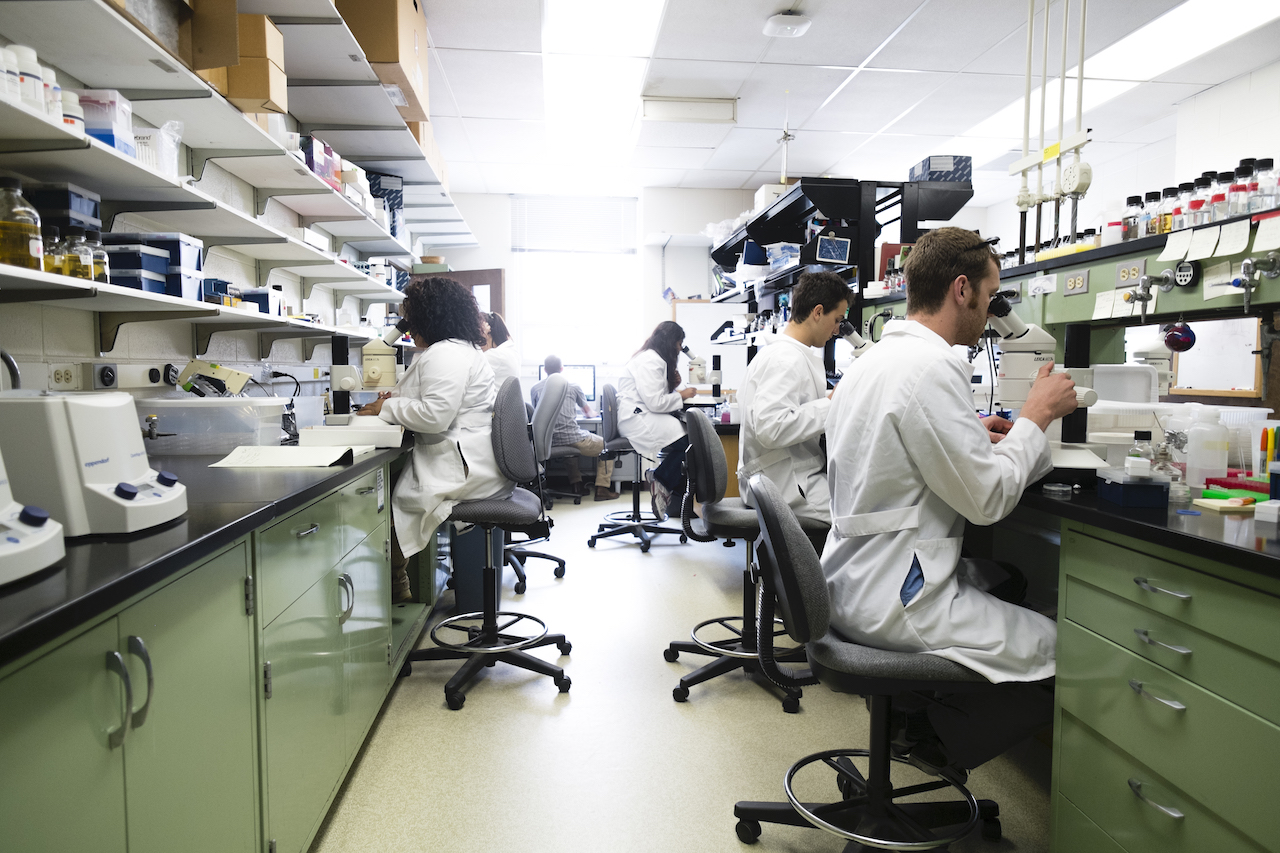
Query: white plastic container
(12,88)
(1112,233)
(72,115)
(29,76)
(1207,445)
(52,94)
(212,425)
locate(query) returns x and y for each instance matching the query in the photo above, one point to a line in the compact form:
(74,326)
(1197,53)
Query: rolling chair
(489,642)
(543,423)
(707,471)
(868,814)
(642,525)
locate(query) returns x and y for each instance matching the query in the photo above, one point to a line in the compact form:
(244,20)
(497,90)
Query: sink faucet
(1142,295)
(1250,269)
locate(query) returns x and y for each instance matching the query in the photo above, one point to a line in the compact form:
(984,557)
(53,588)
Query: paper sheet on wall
(1216,280)
(291,457)
(1268,236)
(1203,242)
(1103,303)
(1175,249)
(1234,239)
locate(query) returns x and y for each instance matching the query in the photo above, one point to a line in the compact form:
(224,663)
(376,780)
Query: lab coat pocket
(937,561)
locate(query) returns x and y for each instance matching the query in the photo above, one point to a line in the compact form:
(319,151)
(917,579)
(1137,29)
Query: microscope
(849,332)
(204,378)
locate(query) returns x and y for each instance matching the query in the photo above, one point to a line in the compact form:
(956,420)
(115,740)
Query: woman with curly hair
(499,348)
(649,406)
(446,399)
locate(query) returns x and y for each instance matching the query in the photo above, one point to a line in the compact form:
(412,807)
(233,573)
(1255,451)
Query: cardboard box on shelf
(258,85)
(215,77)
(200,34)
(260,39)
(393,35)
(260,119)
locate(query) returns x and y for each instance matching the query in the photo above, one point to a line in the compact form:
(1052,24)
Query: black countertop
(99,572)
(1233,538)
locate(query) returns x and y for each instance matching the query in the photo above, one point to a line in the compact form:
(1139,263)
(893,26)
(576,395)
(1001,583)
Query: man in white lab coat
(910,463)
(784,400)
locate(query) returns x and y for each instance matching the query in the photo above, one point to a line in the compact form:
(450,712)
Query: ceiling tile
(815,151)
(844,32)
(503,141)
(960,103)
(744,148)
(659,177)
(485,25)
(715,179)
(873,99)
(1153,131)
(646,157)
(452,139)
(494,85)
(737,24)
(466,178)
(774,92)
(889,157)
(1134,109)
(690,78)
(682,134)
(949,34)
(1240,56)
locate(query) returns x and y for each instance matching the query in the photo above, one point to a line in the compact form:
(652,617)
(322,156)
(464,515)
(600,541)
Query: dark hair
(440,308)
(665,341)
(498,332)
(818,288)
(938,259)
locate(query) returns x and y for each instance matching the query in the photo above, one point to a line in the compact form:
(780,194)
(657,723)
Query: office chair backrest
(528,411)
(609,413)
(789,565)
(546,412)
(511,446)
(707,466)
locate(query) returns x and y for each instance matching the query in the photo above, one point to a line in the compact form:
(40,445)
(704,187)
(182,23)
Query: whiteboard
(1223,358)
(700,320)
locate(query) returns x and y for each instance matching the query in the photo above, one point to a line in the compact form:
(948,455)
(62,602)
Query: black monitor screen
(582,375)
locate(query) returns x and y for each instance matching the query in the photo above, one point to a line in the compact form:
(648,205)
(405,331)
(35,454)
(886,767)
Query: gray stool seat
(522,509)
(562,451)
(847,667)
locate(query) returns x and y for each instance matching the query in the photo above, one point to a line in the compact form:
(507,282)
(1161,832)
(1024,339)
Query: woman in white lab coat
(648,409)
(500,348)
(446,399)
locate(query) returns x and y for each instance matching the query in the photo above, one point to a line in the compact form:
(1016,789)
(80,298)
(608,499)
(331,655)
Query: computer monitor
(582,375)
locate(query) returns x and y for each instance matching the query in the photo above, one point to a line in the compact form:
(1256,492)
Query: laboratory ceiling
(869,90)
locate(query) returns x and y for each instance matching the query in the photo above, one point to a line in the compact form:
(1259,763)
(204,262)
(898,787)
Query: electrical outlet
(265,375)
(102,376)
(139,376)
(64,377)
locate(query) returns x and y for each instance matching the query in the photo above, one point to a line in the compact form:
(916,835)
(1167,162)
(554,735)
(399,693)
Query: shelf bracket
(308,221)
(201,156)
(366,301)
(109,322)
(265,268)
(262,194)
(309,283)
(310,340)
(201,335)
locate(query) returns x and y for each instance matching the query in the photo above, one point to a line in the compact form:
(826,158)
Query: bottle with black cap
(1131,222)
(1168,201)
(1264,174)
(20,243)
(1142,445)
(1151,214)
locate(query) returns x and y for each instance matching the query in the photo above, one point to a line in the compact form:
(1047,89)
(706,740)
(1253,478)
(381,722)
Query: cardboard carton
(216,78)
(258,85)
(260,39)
(393,35)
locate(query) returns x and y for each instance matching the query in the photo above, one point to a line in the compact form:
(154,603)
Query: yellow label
(1051,152)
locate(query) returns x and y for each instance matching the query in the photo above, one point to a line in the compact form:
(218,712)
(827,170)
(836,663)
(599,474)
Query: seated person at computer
(567,433)
(649,406)
(500,348)
(446,399)
(909,464)
(784,400)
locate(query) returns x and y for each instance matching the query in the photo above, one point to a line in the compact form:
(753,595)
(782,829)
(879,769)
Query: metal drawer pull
(1136,787)
(1145,636)
(1141,691)
(1150,587)
(367,490)
(312,529)
(115,664)
(345,581)
(138,649)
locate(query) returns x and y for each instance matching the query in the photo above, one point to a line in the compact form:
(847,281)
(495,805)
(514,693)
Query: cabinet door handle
(1142,691)
(367,490)
(139,649)
(115,664)
(1145,636)
(344,581)
(1150,587)
(301,533)
(1136,787)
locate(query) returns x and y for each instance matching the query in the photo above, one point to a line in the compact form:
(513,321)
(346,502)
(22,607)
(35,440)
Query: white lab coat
(505,361)
(643,386)
(784,405)
(909,464)
(446,399)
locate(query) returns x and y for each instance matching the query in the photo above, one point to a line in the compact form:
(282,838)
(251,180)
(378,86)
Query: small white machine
(200,377)
(29,539)
(81,457)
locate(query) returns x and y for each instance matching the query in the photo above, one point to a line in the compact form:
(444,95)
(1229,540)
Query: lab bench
(1167,720)
(207,684)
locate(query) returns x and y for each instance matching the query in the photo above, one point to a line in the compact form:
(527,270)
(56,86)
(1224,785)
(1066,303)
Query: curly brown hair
(439,308)
(665,341)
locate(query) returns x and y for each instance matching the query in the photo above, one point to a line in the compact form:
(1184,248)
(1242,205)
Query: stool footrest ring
(728,623)
(491,642)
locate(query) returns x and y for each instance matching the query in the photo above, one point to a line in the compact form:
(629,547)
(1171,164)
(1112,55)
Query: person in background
(649,406)
(446,399)
(909,465)
(500,349)
(785,401)
(567,433)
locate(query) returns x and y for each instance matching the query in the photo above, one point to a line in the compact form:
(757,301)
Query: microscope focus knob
(1085,397)
(126,491)
(346,383)
(165,478)
(33,516)
(374,373)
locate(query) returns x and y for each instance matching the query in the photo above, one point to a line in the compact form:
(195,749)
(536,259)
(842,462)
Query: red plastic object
(1238,483)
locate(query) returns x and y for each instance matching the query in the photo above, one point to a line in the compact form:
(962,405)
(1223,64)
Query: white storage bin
(217,425)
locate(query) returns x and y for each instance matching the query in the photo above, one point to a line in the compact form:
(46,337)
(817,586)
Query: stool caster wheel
(564,684)
(559,572)
(521,586)
(591,543)
(748,831)
(448,584)
(406,670)
(791,704)
(644,547)
(577,501)
(683,539)
(991,830)
(680,694)
(454,700)
(670,655)
(491,662)
(548,504)
(565,647)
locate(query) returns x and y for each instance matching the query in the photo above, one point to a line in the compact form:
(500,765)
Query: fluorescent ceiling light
(708,110)
(787,25)
(601,29)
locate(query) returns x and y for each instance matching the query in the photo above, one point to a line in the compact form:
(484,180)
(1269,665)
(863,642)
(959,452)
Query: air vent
(164,66)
